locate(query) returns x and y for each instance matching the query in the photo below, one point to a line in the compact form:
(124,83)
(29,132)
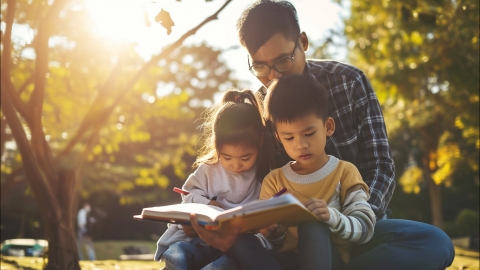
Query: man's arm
(220,240)
(374,159)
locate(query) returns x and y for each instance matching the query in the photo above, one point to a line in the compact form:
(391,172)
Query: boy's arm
(374,159)
(357,220)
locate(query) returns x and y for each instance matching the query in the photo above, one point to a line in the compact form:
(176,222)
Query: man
(84,222)
(276,47)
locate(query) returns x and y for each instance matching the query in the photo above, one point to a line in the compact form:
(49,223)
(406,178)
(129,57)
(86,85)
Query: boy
(330,188)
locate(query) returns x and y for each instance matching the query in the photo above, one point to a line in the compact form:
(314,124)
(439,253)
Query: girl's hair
(235,120)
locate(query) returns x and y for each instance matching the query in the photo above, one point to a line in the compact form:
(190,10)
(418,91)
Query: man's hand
(319,208)
(219,240)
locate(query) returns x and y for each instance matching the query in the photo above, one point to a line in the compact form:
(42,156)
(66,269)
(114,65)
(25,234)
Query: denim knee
(426,247)
(243,244)
(440,246)
(313,227)
(176,256)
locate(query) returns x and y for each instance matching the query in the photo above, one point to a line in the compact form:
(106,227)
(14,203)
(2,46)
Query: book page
(205,213)
(260,205)
(286,210)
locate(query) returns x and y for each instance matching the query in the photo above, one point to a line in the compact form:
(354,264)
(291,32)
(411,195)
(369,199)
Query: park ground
(106,250)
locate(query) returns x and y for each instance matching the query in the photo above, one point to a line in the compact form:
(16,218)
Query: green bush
(467,222)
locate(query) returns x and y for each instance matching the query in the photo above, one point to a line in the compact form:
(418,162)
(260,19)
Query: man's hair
(295,96)
(265,18)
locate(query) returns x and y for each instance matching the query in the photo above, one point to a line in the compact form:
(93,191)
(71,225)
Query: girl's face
(237,158)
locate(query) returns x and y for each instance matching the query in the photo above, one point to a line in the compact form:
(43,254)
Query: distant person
(270,32)
(230,169)
(332,189)
(84,235)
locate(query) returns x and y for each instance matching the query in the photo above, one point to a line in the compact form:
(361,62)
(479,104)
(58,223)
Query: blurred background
(110,103)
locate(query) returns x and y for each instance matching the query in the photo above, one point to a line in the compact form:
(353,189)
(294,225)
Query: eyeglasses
(282,65)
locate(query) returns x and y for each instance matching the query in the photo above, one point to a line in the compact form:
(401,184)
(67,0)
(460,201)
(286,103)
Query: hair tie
(238,99)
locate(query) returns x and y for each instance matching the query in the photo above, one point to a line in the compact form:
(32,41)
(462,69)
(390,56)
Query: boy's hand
(319,208)
(273,231)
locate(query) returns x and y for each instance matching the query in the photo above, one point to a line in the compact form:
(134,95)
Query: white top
(82,217)
(232,190)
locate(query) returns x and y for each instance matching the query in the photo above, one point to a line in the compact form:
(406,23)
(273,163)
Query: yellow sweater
(330,185)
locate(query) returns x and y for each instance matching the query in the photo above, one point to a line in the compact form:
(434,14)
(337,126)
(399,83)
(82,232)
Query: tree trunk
(435,200)
(62,246)
(54,188)
(62,243)
(429,160)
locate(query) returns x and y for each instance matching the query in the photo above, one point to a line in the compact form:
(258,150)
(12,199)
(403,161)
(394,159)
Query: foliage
(423,61)
(72,99)
(467,221)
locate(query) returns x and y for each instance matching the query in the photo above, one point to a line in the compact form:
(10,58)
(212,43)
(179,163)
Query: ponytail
(236,119)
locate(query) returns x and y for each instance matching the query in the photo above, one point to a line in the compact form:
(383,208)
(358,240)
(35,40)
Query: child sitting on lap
(230,169)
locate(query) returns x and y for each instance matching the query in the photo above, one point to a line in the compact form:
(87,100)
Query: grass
(111,250)
(464,259)
(11,263)
(107,252)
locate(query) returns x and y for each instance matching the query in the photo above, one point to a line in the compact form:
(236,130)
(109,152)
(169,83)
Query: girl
(231,166)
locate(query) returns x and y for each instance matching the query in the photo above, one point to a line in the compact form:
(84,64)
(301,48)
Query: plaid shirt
(360,135)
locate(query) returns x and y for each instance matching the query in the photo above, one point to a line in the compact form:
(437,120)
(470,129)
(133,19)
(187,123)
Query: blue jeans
(190,255)
(396,244)
(404,244)
(315,251)
(85,240)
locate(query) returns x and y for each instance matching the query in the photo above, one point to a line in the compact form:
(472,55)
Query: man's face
(304,140)
(278,47)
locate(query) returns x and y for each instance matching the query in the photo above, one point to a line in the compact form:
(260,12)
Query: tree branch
(7,39)
(45,198)
(92,114)
(158,57)
(105,114)
(3,135)
(7,61)
(39,145)
(172,47)
(19,105)
(26,83)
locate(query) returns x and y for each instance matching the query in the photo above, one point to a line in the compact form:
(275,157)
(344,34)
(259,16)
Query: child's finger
(268,229)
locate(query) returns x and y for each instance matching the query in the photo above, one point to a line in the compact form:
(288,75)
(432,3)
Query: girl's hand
(189,230)
(273,231)
(319,208)
(215,203)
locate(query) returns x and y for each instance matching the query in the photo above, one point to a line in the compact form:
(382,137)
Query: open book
(254,215)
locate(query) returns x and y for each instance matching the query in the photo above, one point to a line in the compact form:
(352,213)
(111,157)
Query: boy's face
(278,47)
(304,140)
(237,158)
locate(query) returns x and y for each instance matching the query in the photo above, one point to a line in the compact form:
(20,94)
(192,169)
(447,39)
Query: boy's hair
(263,19)
(235,120)
(294,96)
